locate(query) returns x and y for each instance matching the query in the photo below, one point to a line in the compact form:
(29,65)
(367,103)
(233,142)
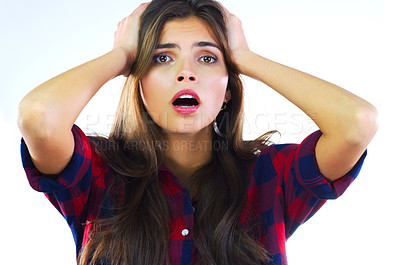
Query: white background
(352,43)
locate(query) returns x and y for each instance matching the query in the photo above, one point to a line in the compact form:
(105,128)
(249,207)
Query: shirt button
(185,232)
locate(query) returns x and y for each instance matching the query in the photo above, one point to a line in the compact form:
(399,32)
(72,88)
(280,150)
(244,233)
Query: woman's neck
(188,152)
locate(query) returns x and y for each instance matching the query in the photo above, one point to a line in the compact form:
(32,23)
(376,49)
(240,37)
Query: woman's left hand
(348,122)
(237,39)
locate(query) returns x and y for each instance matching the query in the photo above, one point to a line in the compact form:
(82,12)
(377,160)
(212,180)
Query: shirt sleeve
(77,190)
(301,189)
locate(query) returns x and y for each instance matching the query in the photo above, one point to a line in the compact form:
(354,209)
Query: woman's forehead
(187,29)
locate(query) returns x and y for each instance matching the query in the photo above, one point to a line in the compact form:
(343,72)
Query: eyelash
(209,56)
(158,56)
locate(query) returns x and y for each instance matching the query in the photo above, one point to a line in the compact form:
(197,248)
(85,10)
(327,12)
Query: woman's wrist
(126,58)
(244,60)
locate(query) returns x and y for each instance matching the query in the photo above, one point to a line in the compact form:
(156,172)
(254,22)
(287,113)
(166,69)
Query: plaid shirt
(286,189)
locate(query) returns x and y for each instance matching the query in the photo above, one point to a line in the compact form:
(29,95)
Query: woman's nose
(186,76)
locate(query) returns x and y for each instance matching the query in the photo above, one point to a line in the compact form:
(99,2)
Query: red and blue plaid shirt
(286,189)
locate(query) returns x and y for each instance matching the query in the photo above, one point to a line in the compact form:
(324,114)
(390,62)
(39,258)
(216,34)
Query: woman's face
(185,86)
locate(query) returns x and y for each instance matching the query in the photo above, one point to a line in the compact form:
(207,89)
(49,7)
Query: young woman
(174,183)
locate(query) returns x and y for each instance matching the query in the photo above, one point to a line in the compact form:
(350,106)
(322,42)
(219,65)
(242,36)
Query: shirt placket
(181,242)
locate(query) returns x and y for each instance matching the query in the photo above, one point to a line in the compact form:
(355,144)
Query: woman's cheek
(153,93)
(219,85)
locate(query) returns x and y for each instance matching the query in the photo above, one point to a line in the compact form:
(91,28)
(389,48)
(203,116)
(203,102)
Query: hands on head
(237,39)
(126,35)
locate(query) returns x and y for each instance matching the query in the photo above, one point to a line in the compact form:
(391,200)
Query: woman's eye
(162,58)
(208,59)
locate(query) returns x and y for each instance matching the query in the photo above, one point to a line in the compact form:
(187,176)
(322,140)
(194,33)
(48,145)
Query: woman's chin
(184,128)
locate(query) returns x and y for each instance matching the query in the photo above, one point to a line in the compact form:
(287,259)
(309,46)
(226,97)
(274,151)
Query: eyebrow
(171,45)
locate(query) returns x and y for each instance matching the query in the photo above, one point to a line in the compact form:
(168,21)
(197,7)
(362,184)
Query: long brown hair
(138,233)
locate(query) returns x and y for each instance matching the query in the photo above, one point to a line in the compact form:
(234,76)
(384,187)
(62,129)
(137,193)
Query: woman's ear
(227,95)
(141,93)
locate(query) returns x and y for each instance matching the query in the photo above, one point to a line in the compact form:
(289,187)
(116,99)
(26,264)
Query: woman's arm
(47,113)
(348,122)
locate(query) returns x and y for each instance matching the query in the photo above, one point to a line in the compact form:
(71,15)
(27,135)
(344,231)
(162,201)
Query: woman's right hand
(48,112)
(127,35)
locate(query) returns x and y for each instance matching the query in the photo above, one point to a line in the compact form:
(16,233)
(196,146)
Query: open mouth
(186,101)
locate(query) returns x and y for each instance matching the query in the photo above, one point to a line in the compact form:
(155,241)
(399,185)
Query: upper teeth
(186,96)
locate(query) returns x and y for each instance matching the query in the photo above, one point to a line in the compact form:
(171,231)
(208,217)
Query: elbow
(32,119)
(364,127)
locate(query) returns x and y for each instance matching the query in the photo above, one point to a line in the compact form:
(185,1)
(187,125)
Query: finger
(140,8)
(144,4)
(225,10)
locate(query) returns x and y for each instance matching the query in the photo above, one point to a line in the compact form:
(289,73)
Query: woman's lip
(185,110)
(186,92)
